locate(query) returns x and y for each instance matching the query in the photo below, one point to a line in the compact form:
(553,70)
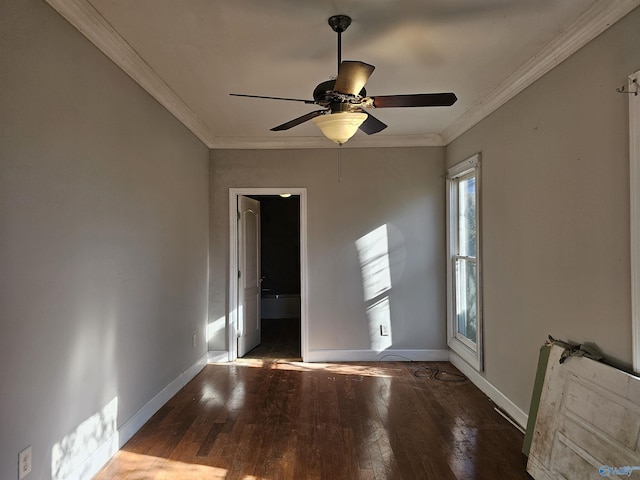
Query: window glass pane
(467,216)
(466,296)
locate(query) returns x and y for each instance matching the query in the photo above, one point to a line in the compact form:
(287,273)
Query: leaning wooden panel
(588,421)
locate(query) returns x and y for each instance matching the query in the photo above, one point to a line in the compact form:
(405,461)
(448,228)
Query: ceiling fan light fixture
(345,98)
(341,126)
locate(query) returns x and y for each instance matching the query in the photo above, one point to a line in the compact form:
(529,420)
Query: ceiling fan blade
(298,121)
(372,125)
(352,77)
(308,102)
(416,100)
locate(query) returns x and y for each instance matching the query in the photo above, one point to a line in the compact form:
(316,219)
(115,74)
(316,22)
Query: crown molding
(600,16)
(378,141)
(88,21)
(82,15)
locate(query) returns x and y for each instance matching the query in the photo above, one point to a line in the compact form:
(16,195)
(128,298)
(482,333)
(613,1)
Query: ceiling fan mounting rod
(339,50)
(339,23)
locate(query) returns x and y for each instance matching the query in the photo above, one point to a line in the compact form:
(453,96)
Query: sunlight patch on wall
(373,255)
(240,315)
(215,327)
(379,314)
(75,456)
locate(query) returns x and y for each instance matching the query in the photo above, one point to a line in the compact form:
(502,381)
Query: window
(463,267)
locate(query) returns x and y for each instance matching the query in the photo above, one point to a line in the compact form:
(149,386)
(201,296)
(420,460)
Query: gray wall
(556,211)
(400,188)
(103,250)
(103,210)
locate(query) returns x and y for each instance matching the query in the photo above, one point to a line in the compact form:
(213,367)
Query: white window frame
(634,176)
(470,352)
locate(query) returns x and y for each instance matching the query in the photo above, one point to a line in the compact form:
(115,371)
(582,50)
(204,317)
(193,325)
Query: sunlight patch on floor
(134,466)
(337,368)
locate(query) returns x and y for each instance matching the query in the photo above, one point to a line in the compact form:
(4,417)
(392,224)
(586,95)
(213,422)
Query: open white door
(248,274)
(235,327)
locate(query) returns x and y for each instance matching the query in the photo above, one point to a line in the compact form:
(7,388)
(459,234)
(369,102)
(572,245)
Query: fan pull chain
(339,166)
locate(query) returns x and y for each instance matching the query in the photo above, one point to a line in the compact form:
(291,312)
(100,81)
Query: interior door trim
(634,211)
(232,315)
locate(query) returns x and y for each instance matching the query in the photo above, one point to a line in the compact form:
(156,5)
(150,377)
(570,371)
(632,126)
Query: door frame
(232,314)
(634,211)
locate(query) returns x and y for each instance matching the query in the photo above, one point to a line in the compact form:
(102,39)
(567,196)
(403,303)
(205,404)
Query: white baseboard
(101,455)
(88,467)
(375,356)
(499,398)
(135,423)
(217,356)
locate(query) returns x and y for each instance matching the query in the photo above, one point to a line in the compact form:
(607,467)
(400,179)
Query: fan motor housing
(324,95)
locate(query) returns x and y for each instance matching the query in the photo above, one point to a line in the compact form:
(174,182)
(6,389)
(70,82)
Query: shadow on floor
(280,340)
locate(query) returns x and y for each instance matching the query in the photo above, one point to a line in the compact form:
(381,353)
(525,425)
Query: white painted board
(588,422)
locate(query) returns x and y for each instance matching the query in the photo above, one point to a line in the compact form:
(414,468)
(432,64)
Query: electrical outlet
(24,462)
(384,330)
(193,340)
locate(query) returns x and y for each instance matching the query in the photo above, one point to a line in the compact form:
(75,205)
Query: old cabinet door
(588,422)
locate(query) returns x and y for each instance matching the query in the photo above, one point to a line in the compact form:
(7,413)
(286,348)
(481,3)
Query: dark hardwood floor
(280,340)
(260,418)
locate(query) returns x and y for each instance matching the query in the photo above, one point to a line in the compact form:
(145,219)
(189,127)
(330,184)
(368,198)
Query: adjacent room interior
(117,169)
(280,277)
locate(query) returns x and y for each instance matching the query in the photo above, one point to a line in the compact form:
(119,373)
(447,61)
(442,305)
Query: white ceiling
(190,54)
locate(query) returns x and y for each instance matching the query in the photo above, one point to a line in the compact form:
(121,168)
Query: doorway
(280,277)
(283,304)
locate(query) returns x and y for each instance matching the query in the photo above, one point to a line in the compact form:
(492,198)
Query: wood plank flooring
(280,420)
(280,340)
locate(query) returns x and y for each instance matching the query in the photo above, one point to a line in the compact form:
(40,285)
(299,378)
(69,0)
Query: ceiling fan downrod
(339,23)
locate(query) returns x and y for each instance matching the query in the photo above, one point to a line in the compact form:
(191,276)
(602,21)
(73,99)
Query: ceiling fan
(345,99)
